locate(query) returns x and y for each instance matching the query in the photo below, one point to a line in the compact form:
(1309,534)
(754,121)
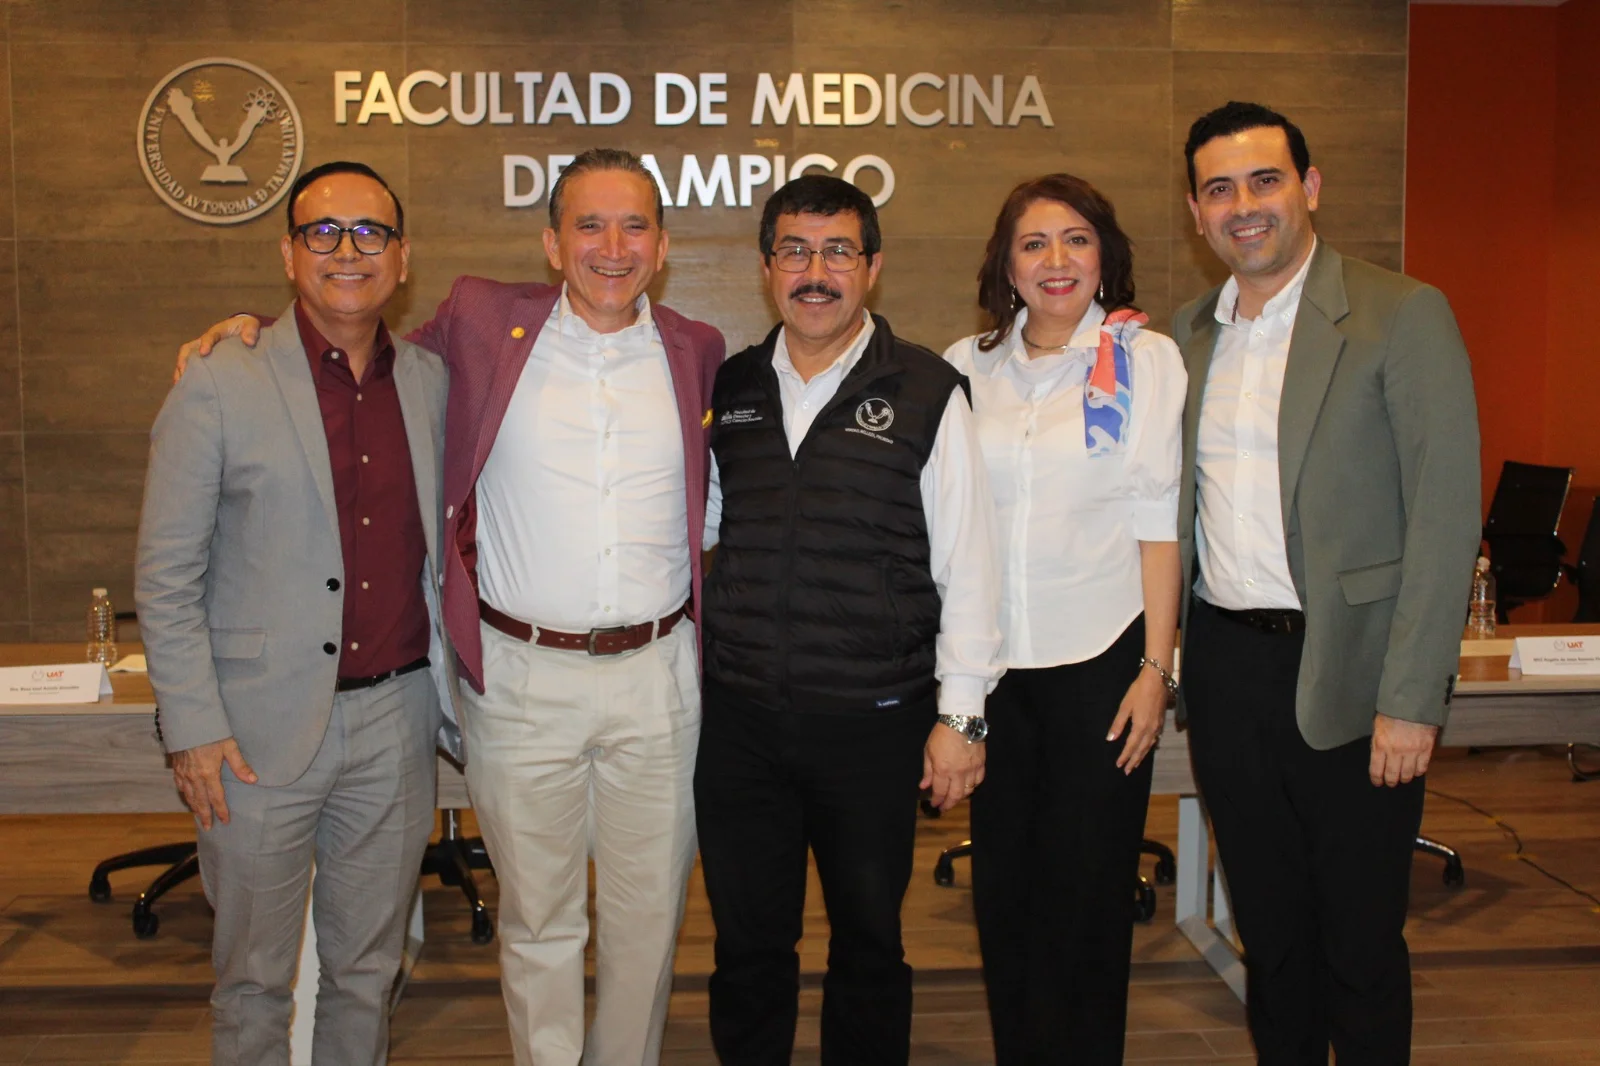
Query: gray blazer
(238,540)
(1378,467)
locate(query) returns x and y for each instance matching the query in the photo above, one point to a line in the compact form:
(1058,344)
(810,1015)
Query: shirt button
(364,459)
(358,397)
(608,551)
(364,585)
(1245,454)
(333,355)
(608,492)
(1249,395)
(1260,334)
(366,521)
(355,645)
(450,510)
(1249,583)
(333,584)
(329,647)
(608,610)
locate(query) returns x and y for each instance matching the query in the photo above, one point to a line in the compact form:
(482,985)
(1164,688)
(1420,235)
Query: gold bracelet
(1166,677)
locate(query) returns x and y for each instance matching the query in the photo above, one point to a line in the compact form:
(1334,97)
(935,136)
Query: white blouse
(1069,526)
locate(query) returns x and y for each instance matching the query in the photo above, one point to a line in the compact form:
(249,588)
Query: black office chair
(181,861)
(1525,554)
(451,859)
(1586,576)
(1144,893)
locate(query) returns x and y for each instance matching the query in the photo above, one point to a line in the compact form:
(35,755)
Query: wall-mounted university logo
(875,415)
(220,140)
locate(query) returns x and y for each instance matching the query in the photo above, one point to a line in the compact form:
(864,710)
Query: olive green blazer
(1378,466)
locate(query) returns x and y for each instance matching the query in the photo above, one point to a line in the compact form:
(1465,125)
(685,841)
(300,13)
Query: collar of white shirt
(1085,336)
(1285,301)
(844,364)
(570,324)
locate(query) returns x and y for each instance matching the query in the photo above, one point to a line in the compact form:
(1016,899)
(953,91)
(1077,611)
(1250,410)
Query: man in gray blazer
(284,585)
(1329,518)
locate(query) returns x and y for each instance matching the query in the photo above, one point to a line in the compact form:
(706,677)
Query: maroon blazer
(485,331)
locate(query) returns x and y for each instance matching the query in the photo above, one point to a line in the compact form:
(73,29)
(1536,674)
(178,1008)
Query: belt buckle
(595,634)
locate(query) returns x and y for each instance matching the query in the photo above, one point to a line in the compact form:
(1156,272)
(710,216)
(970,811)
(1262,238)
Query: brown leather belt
(1278,620)
(610,641)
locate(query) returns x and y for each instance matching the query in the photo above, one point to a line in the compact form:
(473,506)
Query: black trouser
(1317,859)
(1056,828)
(769,784)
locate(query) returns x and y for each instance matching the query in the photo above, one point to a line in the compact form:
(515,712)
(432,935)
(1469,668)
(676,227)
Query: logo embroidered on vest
(875,415)
(737,416)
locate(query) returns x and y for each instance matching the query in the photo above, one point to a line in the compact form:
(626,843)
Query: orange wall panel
(1480,170)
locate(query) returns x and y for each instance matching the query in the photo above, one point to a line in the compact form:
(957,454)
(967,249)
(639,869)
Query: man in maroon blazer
(575,479)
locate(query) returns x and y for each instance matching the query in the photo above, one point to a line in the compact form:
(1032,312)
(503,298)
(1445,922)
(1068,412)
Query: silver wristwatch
(975,727)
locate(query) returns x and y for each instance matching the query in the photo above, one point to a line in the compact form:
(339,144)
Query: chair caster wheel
(1166,871)
(929,810)
(1454,875)
(482,927)
(99,889)
(145,924)
(944,872)
(1144,902)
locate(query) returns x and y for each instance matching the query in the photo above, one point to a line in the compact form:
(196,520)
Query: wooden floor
(1507,969)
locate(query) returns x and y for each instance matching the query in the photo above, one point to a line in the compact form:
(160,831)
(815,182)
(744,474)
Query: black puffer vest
(821,597)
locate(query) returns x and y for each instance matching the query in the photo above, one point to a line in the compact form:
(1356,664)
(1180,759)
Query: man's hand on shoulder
(198,774)
(1400,750)
(952,767)
(246,327)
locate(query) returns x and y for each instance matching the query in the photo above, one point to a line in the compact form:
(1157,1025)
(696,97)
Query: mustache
(816,288)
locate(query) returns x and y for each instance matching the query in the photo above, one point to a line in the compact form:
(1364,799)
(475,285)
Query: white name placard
(1556,655)
(63,683)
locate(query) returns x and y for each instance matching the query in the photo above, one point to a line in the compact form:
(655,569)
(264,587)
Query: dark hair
(995,293)
(344,166)
(592,159)
(1235,117)
(820,194)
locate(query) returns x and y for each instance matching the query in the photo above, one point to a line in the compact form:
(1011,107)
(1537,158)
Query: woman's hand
(1142,714)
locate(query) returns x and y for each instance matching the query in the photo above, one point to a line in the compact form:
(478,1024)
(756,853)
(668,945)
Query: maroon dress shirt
(375,493)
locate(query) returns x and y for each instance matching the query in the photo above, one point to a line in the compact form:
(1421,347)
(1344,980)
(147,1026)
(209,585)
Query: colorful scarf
(1108,394)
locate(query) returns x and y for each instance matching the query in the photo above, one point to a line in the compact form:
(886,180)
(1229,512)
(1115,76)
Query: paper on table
(1575,655)
(130,664)
(67,683)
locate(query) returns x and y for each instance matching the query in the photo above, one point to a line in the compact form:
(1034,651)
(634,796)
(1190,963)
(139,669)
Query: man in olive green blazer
(1328,520)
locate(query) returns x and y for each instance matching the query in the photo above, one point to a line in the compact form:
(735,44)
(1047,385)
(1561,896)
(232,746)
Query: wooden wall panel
(103,280)
(13,534)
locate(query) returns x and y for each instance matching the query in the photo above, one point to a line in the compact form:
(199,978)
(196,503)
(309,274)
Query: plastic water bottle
(102,646)
(1480,608)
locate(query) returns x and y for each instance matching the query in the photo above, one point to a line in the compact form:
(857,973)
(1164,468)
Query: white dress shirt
(960,517)
(1238,503)
(1070,525)
(581,509)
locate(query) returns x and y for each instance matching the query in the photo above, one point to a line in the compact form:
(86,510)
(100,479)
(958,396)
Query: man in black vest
(850,625)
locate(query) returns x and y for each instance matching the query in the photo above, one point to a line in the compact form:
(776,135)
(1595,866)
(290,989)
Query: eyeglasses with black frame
(324,236)
(796,258)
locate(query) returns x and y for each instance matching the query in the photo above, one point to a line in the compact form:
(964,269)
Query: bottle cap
(1483,562)
(99,592)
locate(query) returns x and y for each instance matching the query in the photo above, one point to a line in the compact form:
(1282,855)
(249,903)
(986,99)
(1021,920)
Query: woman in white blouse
(1079,412)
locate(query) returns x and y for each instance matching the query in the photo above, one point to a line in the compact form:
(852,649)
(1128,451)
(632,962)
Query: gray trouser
(363,811)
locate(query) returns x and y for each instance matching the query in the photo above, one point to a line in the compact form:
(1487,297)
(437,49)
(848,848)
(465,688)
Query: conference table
(1494,706)
(105,758)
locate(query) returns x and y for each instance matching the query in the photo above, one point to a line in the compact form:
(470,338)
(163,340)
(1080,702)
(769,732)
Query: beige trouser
(571,755)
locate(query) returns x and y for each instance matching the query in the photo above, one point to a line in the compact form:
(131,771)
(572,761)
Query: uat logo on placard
(48,675)
(1567,644)
(220,140)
